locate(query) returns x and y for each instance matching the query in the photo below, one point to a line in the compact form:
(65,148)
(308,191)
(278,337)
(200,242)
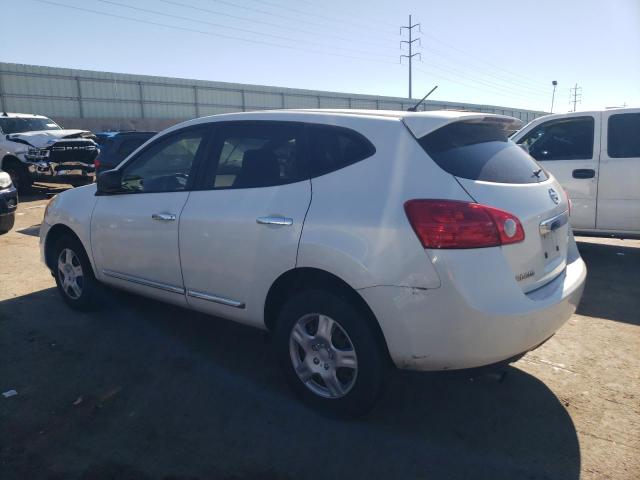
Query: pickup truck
(35,148)
(595,156)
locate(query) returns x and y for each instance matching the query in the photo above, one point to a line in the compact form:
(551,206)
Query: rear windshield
(481,151)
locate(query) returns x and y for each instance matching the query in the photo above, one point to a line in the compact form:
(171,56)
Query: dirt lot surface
(146,390)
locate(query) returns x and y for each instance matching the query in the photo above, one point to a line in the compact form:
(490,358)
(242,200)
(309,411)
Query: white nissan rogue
(360,239)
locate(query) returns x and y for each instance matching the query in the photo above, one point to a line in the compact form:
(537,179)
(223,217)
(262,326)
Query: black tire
(90,289)
(372,364)
(19,175)
(7,222)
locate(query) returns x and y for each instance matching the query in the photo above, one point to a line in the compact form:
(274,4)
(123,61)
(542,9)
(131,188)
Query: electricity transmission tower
(576,95)
(410,42)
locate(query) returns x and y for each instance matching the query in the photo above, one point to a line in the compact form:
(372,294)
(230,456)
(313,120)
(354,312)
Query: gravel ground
(145,390)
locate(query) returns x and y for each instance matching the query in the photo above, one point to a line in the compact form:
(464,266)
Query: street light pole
(553,95)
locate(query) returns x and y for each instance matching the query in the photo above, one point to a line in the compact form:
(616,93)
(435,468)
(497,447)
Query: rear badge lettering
(554,196)
(524,275)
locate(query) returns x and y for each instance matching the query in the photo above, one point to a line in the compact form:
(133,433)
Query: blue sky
(491,52)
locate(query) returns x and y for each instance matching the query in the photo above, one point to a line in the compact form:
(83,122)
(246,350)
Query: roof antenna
(415,107)
(5,114)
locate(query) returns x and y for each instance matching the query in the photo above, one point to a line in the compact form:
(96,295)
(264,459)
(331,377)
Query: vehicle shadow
(145,390)
(613,282)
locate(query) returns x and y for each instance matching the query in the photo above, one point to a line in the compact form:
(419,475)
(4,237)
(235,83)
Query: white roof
(419,123)
(19,115)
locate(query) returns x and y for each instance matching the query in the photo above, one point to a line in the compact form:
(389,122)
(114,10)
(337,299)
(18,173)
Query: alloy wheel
(70,273)
(323,355)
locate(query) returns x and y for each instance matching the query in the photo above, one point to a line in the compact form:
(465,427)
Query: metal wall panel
(141,99)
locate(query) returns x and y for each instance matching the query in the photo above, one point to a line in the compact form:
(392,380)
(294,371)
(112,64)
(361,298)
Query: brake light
(96,163)
(456,224)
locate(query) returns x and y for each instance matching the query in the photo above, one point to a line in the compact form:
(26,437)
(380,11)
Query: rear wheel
(329,353)
(74,274)
(7,222)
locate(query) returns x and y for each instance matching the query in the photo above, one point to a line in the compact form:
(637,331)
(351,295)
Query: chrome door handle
(164,217)
(283,221)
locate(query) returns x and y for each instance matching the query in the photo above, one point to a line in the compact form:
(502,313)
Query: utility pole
(576,94)
(409,42)
(553,95)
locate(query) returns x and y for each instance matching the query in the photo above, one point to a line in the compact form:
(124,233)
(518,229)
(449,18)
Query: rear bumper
(8,201)
(473,319)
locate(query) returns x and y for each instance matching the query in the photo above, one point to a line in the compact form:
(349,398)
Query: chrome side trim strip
(145,282)
(553,223)
(216,299)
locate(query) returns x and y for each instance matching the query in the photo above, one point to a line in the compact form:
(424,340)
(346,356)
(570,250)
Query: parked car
(8,203)
(359,239)
(116,146)
(596,157)
(35,148)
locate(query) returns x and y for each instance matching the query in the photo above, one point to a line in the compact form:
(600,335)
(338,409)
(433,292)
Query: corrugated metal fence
(103,100)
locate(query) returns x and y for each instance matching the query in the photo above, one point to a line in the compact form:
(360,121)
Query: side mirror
(109,182)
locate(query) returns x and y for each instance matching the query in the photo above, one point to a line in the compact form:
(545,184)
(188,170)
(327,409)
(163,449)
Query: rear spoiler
(421,125)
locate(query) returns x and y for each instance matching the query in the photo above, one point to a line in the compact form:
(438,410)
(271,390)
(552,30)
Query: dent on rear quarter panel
(356,227)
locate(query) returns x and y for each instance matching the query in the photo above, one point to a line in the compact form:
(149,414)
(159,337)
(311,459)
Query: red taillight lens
(96,163)
(455,224)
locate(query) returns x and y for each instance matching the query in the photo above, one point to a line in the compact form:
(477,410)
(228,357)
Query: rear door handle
(282,221)
(584,173)
(164,217)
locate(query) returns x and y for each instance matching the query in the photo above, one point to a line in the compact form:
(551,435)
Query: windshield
(20,125)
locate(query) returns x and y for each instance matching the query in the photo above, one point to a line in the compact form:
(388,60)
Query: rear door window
(561,139)
(332,148)
(257,154)
(481,151)
(623,139)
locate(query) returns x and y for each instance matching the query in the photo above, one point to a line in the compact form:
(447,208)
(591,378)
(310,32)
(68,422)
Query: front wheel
(7,222)
(20,176)
(329,353)
(74,274)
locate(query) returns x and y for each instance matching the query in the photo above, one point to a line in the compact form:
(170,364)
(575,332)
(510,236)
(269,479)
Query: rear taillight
(96,163)
(456,224)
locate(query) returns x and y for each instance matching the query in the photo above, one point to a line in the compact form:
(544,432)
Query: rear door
(619,184)
(569,147)
(240,231)
(496,172)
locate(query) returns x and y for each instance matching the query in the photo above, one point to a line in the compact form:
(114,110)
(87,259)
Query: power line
(409,42)
(219,35)
(219,25)
(351,23)
(279,26)
(267,12)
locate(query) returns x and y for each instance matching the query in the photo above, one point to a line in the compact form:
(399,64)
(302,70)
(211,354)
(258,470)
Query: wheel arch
(54,233)
(304,278)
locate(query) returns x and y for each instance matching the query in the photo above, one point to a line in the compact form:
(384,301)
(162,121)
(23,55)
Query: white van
(596,158)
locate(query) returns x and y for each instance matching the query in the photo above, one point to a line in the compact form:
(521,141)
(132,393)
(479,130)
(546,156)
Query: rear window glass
(624,135)
(333,148)
(481,151)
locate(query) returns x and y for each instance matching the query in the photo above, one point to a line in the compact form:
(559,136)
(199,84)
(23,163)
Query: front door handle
(584,173)
(164,217)
(282,221)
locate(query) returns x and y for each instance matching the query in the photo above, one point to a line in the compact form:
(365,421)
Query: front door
(569,147)
(134,233)
(240,229)
(619,186)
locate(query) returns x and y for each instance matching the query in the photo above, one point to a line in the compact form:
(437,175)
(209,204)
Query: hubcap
(323,355)
(70,273)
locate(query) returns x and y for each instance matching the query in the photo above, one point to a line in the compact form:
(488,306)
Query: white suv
(360,239)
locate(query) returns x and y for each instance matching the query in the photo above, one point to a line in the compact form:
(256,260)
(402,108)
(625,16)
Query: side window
(562,139)
(624,135)
(164,166)
(332,148)
(258,154)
